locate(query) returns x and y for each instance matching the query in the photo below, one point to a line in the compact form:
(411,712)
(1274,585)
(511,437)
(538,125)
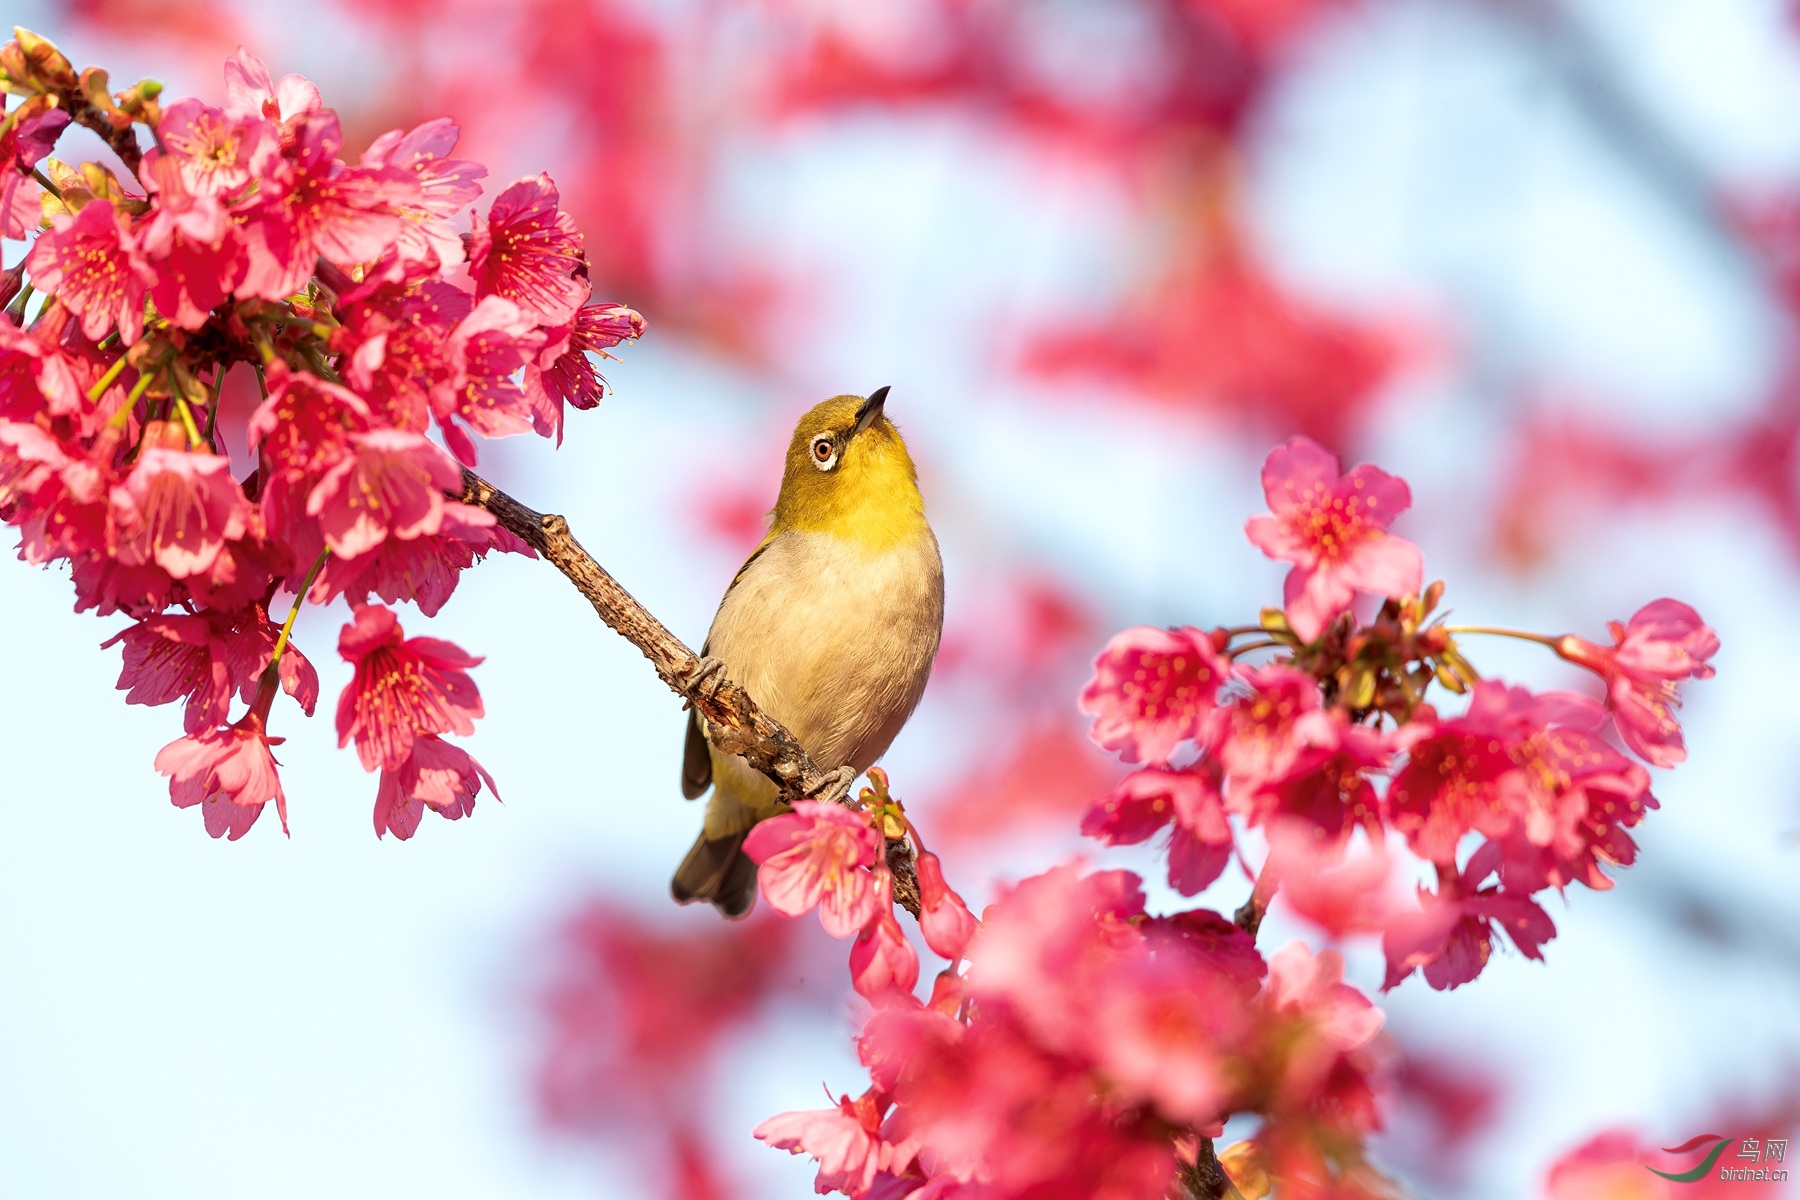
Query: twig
(737,725)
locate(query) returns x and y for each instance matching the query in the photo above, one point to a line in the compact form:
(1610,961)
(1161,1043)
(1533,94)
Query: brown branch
(737,725)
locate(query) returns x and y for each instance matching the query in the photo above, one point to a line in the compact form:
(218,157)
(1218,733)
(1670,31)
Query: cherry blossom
(1333,528)
(230,773)
(249,92)
(527,250)
(818,854)
(436,775)
(311,206)
(1451,934)
(845,1140)
(1153,689)
(403,689)
(391,485)
(944,919)
(563,373)
(215,152)
(95,265)
(1664,643)
(176,657)
(178,509)
(884,968)
(1153,798)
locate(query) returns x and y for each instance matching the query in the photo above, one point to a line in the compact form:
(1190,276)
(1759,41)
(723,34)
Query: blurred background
(1540,257)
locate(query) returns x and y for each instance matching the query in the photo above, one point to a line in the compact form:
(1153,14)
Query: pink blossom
(527,250)
(1162,1031)
(21,208)
(944,919)
(214,152)
(1460,773)
(304,427)
(884,968)
(1048,946)
(1327,784)
(1314,1050)
(403,688)
(178,509)
(176,657)
(487,348)
(563,372)
(845,1140)
(190,242)
(31,461)
(1333,528)
(1152,689)
(31,133)
(446,185)
(1149,799)
(229,772)
(1664,643)
(36,376)
(1266,732)
(1217,945)
(1313,986)
(398,352)
(436,775)
(1574,796)
(92,261)
(1451,934)
(819,854)
(314,207)
(249,92)
(1341,888)
(64,499)
(422,570)
(392,485)
(302,431)
(249,639)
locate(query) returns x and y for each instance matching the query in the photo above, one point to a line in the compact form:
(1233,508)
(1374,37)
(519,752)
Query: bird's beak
(871,408)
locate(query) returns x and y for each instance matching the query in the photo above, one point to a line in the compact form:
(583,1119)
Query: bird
(831,626)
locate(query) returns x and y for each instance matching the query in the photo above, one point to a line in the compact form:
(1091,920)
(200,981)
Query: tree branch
(736,724)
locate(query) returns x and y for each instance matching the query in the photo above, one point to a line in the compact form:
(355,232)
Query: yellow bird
(831,626)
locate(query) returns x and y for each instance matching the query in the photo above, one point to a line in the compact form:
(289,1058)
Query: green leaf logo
(1706,1164)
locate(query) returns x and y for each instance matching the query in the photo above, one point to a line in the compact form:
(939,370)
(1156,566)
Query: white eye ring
(824,444)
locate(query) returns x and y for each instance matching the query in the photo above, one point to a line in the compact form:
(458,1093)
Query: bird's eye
(824,453)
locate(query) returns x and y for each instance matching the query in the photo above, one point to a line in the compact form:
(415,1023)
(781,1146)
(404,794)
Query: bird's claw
(834,786)
(706,669)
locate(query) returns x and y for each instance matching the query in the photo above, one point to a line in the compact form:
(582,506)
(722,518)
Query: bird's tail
(718,871)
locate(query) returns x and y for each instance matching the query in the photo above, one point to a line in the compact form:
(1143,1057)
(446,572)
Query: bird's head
(848,474)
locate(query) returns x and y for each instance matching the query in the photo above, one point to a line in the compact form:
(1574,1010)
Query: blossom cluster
(243,246)
(1337,732)
(1077,1044)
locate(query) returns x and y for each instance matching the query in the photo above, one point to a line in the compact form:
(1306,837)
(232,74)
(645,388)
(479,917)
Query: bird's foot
(833,787)
(706,670)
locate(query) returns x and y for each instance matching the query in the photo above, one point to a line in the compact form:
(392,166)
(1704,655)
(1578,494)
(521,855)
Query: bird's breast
(835,639)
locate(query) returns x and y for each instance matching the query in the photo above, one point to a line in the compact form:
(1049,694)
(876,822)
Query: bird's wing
(696,755)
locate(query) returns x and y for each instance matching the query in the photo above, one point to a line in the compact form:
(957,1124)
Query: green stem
(1237,650)
(106,380)
(187,421)
(1521,634)
(287,627)
(137,391)
(44,182)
